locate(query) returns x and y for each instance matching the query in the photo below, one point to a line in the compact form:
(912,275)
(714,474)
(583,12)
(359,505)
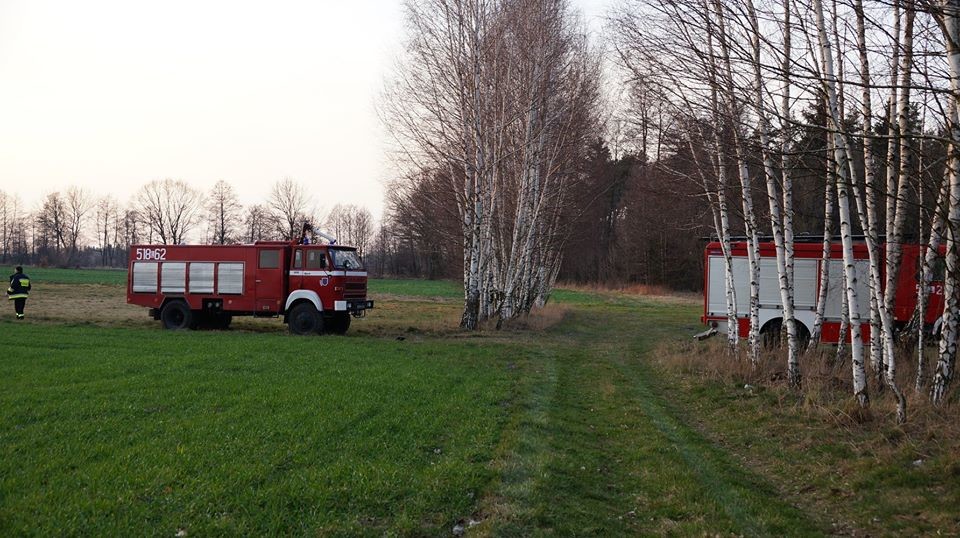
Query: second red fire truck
(808,255)
(315,288)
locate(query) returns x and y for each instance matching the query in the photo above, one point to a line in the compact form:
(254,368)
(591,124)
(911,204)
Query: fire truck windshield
(346,259)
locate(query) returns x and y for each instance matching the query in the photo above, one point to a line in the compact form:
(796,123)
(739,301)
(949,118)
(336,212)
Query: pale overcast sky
(110,94)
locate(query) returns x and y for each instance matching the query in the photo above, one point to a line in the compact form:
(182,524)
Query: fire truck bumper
(353,306)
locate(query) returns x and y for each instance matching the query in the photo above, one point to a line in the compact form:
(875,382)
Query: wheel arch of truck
(804,318)
(303,295)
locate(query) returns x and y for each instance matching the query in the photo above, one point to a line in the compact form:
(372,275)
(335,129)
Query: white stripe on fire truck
(328,273)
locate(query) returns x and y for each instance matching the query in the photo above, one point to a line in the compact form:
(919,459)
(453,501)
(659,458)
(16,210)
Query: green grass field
(78,276)
(406,426)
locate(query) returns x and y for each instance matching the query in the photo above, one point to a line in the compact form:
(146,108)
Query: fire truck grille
(355,290)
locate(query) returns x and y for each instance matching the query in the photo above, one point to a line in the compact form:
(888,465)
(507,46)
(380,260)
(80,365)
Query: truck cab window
(298,259)
(346,259)
(269,259)
(316,259)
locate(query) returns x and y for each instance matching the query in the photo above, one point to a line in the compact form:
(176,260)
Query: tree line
(75,227)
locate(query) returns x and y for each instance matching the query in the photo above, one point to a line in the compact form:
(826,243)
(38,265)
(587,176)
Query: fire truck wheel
(176,315)
(223,321)
(304,319)
(340,323)
(770,334)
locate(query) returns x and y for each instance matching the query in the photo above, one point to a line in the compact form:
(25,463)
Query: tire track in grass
(597,450)
(753,505)
(523,452)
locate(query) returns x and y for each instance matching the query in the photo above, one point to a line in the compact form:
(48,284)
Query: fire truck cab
(316,288)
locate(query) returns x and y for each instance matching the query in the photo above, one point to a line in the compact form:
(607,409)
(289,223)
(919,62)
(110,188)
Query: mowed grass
(561,425)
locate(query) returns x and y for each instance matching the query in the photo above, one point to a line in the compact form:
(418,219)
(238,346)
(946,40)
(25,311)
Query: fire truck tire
(304,319)
(771,334)
(176,315)
(340,323)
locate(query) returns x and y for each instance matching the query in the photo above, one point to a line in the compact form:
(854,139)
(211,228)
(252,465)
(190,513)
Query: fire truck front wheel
(339,323)
(304,319)
(176,315)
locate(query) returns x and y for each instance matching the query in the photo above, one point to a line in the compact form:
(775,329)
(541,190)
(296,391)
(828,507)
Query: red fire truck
(316,288)
(808,254)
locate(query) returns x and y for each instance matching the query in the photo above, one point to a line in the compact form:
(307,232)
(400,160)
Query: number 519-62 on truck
(316,288)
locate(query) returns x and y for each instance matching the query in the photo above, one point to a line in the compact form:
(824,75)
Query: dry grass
(642,290)
(827,388)
(104,305)
(537,321)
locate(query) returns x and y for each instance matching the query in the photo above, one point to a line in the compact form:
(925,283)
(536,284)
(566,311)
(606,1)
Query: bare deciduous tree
(170,209)
(288,204)
(223,213)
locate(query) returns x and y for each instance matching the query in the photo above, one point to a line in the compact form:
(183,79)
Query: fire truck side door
(269,280)
(296,266)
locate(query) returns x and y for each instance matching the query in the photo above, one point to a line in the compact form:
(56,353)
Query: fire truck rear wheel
(304,319)
(340,323)
(176,315)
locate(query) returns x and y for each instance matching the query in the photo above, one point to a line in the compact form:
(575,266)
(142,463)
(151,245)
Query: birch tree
(773,197)
(843,204)
(496,97)
(947,14)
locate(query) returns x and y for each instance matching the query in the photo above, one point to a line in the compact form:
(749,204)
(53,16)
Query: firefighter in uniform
(18,291)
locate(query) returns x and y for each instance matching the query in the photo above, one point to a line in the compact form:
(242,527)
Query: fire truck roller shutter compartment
(230,278)
(836,288)
(201,277)
(173,277)
(145,277)
(805,285)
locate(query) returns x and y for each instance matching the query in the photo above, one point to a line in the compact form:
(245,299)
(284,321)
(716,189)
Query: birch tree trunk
(843,204)
(749,215)
(930,256)
(868,209)
(776,224)
(895,232)
(785,150)
(829,197)
(733,326)
(949,21)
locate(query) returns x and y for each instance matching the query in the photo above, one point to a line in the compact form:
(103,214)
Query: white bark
(843,204)
(749,215)
(829,197)
(776,224)
(930,255)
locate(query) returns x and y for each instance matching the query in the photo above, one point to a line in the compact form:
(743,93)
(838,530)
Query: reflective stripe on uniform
(25,282)
(18,296)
